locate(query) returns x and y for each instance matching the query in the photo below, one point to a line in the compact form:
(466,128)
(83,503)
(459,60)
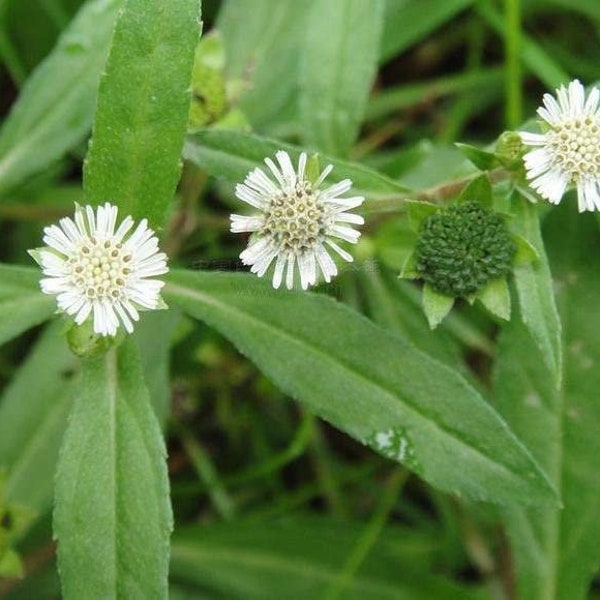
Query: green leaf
(231,155)
(556,551)
(526,253)
(418,211)
(408,21)
(478,190)
(153,334)
(481,159)
(391,305)
(112,516)
(262,42)
(445,431)
(333,97)
(409,267)
(435,305)
(536,291)
(30,435)
(301,558)
(55,108)
(495,296)
(22,304)
(143,105)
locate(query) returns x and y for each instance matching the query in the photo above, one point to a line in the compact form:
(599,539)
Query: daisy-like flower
(299,221)
(96,270)
(568,153)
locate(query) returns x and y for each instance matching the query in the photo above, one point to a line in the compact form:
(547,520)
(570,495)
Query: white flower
(298,221)
(93,269)
(569,152)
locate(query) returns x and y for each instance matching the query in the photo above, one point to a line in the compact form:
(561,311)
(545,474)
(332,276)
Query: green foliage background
(272,404)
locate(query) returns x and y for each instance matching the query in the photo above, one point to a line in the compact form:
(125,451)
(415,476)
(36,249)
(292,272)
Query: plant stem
(512,49)
(437,194)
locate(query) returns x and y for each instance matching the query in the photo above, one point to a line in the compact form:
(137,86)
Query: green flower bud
(461,248)
(85,343)
(510,150)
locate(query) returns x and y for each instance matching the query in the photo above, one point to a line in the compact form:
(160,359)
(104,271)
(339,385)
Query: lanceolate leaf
(143,103)
(112,517)
(404,404)
(22,304)
(232,154)
(536,291)
(55,108)
(333,96)
(557,550)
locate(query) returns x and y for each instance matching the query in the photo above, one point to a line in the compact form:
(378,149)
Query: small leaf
(478,190)
(112,516)
(436,305)
(143,105)
(409,268)
(419,211)
(526,252)
(495,296)
(483,160)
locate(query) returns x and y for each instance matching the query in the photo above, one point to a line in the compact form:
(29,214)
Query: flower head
(96,270)
(568,153)
(463,247)
(298,221)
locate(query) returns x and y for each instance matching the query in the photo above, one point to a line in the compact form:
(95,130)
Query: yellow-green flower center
(575,146)
(296,220)
(100,269)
